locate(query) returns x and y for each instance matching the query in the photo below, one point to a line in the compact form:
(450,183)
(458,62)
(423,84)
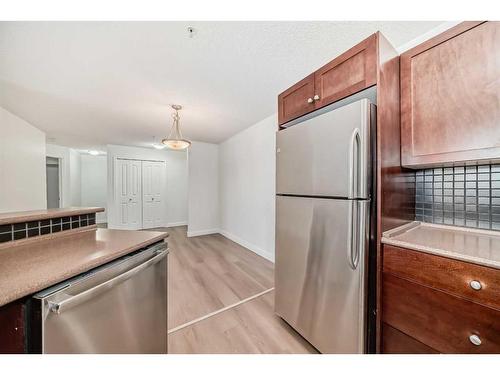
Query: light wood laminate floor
(212,273)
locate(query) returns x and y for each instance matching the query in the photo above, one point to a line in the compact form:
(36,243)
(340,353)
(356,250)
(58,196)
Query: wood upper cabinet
(351,72)
(450,97)
(297,100)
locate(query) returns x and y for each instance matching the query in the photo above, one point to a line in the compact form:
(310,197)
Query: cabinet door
(450,97)
(296,101)
(353,71)
(13,332)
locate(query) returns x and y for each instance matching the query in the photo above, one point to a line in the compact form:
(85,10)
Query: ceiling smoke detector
(191,31)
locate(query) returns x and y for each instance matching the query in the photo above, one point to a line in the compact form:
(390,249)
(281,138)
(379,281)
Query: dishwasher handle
(59,307)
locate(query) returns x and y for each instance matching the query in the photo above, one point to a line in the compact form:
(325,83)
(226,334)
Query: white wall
(75,174)
(247,187)
(70,174)
(94,183)
(177,185)
(203,195)
(22,165)
(177,188)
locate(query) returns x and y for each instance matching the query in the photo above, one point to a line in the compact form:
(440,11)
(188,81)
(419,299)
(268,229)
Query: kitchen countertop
(23,216)
(29,268)
(471,245)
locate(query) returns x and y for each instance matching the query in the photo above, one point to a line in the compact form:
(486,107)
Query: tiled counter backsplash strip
(19,231)
(464,196)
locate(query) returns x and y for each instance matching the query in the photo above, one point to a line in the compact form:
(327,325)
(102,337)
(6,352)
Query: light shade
(175,141)
(176,144)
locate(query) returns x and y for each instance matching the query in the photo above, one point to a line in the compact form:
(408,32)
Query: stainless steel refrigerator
(323,203)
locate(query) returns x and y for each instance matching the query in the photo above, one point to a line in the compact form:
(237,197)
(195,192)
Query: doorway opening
(53,182)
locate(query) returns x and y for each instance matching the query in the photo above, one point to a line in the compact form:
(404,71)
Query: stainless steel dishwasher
(120,307)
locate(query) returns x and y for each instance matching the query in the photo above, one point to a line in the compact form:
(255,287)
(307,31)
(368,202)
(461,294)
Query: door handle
(354,160)
(353,235)
(59,307)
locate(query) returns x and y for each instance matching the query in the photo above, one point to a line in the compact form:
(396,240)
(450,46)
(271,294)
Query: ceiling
(87,84)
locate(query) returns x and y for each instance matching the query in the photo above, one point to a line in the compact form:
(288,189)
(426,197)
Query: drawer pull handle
(310,100)
(475,339)
(476,285)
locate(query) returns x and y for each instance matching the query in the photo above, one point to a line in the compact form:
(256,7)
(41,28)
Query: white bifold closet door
(153,200)
(128,184)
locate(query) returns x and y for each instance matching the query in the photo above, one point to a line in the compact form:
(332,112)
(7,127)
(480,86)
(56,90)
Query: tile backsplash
(465,196)
(19,231)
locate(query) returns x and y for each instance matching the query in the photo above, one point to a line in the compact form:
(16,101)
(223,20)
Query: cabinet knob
(316,97)
(310,100)
(475,339)
(476,285)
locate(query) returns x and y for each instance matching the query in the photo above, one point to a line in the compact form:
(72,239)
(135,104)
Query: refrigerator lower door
(320,270)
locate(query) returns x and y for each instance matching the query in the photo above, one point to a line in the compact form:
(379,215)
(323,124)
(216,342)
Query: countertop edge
(36,287)
(443,253)
(20,217)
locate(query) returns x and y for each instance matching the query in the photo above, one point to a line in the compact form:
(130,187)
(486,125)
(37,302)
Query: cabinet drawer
(297,100)
(437,319)
(351,72)
(449,275)
(396,342)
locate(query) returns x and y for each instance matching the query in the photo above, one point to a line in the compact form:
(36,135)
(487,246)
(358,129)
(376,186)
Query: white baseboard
(194,233)
(177,224)
(257,250)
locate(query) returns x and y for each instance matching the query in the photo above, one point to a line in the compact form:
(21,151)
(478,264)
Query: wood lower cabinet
(450,97)
(347,74)
(12,331)
(425,298)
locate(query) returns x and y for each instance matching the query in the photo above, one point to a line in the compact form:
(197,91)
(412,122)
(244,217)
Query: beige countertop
(29,268)
(471,245)
(23,216)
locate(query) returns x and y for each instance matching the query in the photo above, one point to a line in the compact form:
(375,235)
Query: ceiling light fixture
(93,152)
(174,139)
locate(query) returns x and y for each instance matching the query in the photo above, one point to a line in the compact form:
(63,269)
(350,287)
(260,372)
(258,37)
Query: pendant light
(174,139)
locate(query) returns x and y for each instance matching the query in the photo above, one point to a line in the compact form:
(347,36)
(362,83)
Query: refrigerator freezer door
(327,155)
(320,270)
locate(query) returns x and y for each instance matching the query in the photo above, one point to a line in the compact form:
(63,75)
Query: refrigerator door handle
(362,234)
(353,235)
(354,164)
